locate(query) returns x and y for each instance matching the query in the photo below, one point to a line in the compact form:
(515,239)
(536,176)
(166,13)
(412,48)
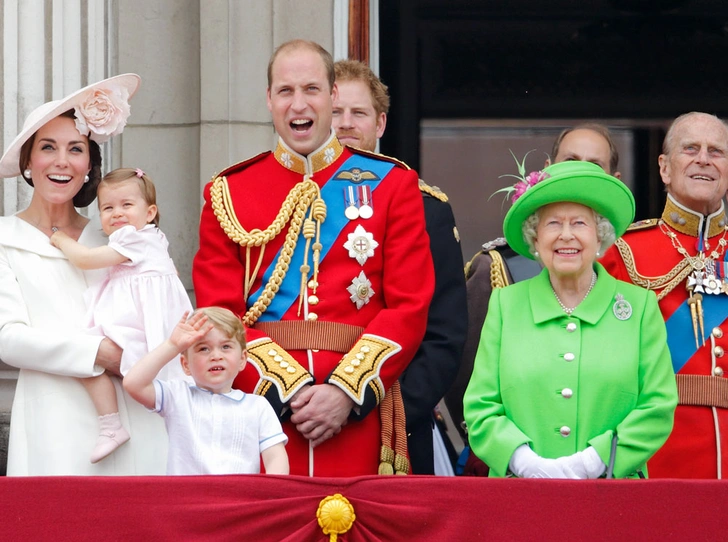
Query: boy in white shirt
(212,428)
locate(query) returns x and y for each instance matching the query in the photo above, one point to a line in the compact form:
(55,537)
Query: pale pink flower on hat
(102,113)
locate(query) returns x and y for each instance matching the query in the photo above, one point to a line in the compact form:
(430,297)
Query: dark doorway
(632,64)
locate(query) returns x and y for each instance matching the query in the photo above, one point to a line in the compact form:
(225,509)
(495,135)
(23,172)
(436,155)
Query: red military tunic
(698,445)
(363,311)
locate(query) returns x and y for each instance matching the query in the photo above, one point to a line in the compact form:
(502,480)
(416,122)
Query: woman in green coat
(573,373)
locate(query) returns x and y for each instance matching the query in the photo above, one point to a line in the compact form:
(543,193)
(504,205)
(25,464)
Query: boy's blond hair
(227,322)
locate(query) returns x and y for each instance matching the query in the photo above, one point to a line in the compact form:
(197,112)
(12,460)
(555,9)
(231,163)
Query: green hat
(573,181)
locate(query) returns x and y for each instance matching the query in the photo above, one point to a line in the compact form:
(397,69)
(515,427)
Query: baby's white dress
(142,299)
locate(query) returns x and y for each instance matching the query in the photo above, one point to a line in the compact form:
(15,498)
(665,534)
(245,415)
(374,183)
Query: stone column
(237,40)
(160,40)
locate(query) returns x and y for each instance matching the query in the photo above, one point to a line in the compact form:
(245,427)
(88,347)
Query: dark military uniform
(433,369)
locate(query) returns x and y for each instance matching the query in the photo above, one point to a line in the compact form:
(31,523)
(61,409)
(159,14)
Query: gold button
(312,284)
(284,364)
(718,371)
(349,369)
(313,300)
(362,291)
(717,332)
(312,316)
(278,358)
(291,370)
(718,351)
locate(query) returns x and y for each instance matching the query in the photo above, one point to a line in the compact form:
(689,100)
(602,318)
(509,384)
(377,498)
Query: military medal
(352,211)
(361,245)
(365,193)
(361,290)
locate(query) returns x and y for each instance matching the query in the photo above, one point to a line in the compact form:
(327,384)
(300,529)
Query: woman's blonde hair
(146,186)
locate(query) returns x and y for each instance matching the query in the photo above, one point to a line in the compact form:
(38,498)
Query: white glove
(527,464)
(585,464)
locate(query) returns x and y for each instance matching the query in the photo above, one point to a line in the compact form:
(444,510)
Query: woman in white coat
(42,310)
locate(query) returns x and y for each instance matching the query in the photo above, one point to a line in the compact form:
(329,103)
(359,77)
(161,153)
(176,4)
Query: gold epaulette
(498,273)
(240,166)
(357,150)
(643,224)
(433,191)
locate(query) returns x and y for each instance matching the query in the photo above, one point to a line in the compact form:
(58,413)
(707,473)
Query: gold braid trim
(666,283)
(302,196)
(498,273)
(278,367)
(360,367)
(433,191)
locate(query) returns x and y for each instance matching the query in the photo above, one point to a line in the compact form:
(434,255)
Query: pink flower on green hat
(524,181)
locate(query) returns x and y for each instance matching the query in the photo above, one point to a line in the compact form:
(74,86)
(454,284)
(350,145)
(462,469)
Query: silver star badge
(361,245)
(361,290)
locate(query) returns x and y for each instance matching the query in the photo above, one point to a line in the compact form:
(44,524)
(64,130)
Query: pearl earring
(86,179)
(27,173)
(535,253)
(599,253)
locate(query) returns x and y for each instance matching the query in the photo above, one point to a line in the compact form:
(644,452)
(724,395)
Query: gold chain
(696,262)
(666,283)
(293,210)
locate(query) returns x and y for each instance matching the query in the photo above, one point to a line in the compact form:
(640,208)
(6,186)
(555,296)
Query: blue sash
(333,194)
(680,336)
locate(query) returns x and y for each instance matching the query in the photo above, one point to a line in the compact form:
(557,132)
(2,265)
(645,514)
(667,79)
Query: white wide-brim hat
(101,112)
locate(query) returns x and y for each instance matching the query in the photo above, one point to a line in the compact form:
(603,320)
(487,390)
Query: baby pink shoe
(111,435)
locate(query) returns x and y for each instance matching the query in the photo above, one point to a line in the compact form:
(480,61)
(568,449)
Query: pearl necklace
(569,310)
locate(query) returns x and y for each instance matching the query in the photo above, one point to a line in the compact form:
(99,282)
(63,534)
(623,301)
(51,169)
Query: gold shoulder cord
(498,275)
(303,196)
(666,283)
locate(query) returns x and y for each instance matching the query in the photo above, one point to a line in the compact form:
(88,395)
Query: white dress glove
(527,464)
(585,464)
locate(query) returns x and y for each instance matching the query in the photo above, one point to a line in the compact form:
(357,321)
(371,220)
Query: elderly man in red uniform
(682,257)
(323,253)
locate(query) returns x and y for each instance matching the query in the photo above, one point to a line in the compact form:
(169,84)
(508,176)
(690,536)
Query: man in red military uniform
(682,257)
(324,254)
